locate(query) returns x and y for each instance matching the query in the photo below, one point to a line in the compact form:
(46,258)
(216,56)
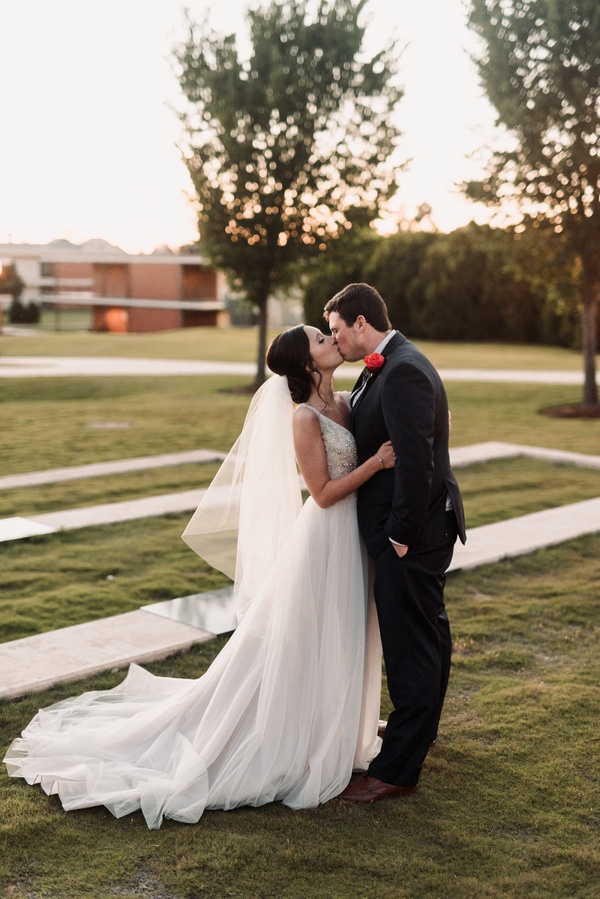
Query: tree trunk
(591,291)
(262,341)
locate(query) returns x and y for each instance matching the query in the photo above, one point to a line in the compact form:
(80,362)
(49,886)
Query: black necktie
(360,384)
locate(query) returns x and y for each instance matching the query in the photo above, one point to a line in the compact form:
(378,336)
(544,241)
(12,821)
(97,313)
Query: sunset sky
(88,143)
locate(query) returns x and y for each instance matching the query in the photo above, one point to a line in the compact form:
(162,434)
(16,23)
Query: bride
(290,706)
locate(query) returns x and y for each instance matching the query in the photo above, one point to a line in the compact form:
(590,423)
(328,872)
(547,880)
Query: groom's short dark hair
(359,299)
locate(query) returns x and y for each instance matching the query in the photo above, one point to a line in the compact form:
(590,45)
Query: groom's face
(349,338)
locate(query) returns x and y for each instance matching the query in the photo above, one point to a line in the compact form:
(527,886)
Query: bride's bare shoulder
(305,414)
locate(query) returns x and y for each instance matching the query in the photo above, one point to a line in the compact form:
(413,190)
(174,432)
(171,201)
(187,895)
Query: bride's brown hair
(289,355)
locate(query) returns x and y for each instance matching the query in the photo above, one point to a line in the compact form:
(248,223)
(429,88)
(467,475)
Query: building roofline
(42,253)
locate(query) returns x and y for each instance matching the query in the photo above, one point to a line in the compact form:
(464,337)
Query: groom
(409,518)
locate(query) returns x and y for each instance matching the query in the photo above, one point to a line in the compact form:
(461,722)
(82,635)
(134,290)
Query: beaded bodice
(340,446)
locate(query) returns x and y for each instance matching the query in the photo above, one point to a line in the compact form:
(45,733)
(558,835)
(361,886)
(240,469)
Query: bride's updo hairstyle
(289,355)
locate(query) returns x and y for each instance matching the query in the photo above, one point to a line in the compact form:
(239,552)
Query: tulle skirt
(285,712)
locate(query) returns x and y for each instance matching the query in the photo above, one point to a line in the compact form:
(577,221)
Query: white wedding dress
(285,712)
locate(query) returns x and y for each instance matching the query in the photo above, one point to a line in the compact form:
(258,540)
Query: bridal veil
(253,501)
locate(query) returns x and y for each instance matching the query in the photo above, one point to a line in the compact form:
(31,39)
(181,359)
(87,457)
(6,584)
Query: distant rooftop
(94,250)
(95,245)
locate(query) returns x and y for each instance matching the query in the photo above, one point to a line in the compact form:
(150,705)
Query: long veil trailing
(255,497)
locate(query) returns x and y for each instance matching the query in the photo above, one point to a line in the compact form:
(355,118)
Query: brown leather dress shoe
(369,789)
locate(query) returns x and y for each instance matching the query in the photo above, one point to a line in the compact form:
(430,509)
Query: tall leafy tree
(10,281)
(346,261)
(540,68)
(290,144)
(466,289)
(395,269)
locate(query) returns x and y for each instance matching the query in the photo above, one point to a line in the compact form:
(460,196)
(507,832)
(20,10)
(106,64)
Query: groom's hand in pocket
(400,548)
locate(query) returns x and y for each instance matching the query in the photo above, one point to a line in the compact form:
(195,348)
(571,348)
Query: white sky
(88,141)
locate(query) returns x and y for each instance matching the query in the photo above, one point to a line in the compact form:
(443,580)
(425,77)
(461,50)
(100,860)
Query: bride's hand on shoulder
(386,455)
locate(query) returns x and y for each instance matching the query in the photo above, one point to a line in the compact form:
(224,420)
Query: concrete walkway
(18,528)
(101,469)
(158,630)
(76,366)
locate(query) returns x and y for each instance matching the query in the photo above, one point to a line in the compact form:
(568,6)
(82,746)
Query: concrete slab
(517,536)
(18,528)
(128,510)
(108,513)
(188,500)
(102,469)
(213,611)
(75,366)
(37,663)
(560,457)
(462,456)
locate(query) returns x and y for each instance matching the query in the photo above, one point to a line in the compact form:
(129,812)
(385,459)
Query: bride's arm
(312,459)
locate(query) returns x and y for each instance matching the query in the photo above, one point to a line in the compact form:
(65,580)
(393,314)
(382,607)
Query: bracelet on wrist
(381,460)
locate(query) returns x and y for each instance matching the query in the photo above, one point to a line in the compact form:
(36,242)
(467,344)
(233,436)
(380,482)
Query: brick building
(132,293)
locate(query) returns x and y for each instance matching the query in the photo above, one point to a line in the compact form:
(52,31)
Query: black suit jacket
(405,402)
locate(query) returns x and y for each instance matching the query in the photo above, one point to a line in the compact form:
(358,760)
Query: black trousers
(417,649)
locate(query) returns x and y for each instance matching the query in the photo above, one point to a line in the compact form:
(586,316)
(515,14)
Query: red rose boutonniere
(374,361)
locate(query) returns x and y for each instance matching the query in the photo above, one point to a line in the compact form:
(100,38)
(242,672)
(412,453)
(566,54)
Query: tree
(290,147)
(395,268)
(543,261)
(466,289)
(10,281)
(347,260)
(540,68)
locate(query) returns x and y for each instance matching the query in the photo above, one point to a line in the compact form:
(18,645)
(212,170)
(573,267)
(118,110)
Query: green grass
(68,578)
(494,491)
(49,422)
(71,577)
(227,344)
(162,415)
(513,413)
(508,804)
(55,581)
(521,484)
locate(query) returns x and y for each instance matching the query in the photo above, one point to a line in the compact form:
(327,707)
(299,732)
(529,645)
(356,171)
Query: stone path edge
(185,501)
(119,366)
(33,664)
(36,663)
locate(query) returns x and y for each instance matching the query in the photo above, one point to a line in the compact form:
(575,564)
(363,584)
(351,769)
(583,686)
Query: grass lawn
(54,422)
(68,578)
(521,484)
(508,804)
(509,799)
(241,344)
